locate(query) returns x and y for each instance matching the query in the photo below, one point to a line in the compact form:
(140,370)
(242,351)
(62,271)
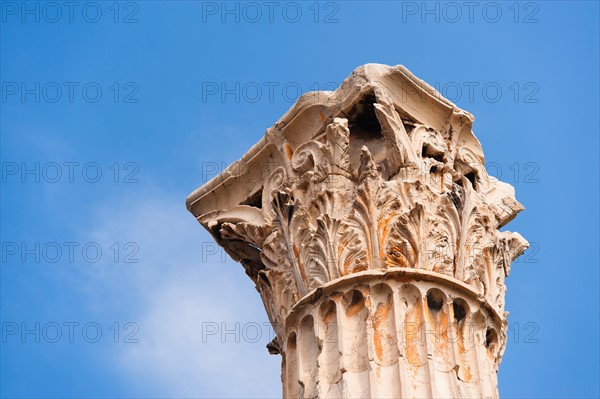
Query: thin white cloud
(170,293)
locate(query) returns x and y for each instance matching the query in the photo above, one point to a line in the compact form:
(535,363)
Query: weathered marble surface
(369,224)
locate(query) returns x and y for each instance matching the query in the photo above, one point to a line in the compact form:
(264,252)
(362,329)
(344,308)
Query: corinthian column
(369,224)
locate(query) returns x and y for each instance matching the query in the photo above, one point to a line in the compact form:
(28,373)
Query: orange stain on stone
(288,151)
(355,308)
(300,265)
(380,319)
(466,377)
(414,318)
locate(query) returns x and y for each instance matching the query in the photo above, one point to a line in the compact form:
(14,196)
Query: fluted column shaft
(392,334)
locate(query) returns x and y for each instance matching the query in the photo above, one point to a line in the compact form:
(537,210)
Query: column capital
(381,173)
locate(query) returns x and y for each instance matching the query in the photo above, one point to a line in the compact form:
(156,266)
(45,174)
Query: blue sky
(111,113)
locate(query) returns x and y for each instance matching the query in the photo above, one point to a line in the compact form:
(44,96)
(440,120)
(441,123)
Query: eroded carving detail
(372,177)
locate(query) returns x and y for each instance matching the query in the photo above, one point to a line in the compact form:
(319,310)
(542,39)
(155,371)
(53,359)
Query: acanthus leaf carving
(374,200)
(427,203)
